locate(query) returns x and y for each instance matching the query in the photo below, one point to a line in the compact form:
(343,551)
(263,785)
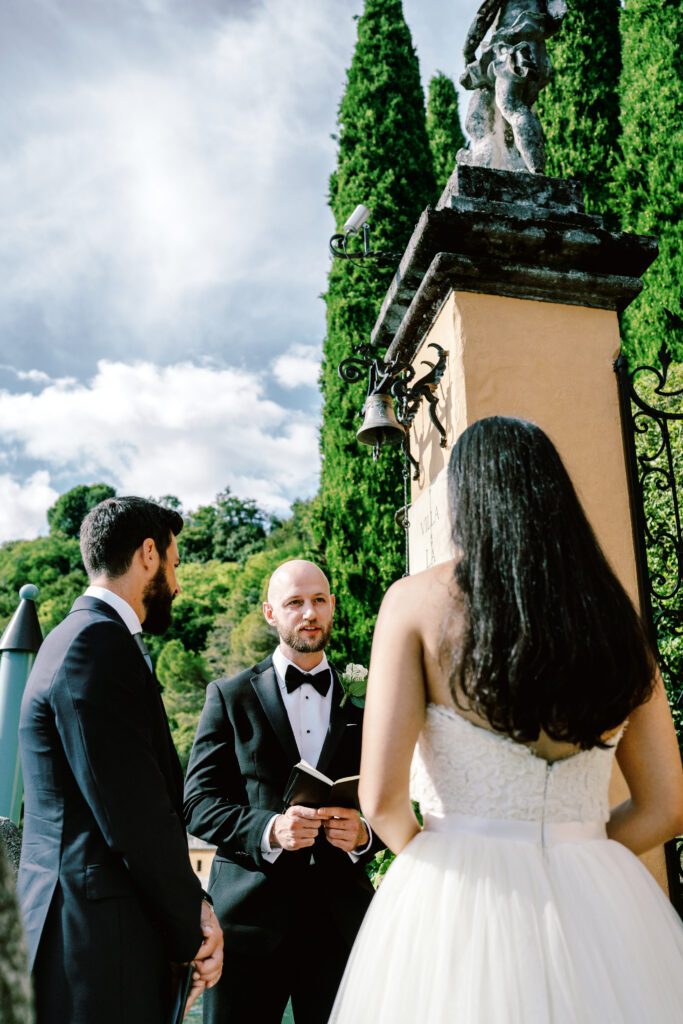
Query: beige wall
(201,859)
(549,363)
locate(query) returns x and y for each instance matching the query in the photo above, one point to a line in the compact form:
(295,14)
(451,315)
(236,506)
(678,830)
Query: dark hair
(551,640)
(112,532)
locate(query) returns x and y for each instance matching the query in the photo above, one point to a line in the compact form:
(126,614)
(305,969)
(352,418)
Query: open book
(308,787)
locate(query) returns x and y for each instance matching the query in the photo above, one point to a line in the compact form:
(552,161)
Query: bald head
(296,574)
(300,607)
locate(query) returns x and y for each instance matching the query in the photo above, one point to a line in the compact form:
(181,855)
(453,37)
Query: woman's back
(510,906)
(495,684)
(433,597)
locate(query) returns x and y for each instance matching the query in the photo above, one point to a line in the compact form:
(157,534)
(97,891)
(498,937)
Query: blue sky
(163,242)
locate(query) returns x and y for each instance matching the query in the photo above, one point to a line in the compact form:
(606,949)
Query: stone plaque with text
(429,533)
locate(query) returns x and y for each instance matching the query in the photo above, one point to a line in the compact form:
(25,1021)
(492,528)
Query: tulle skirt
(478,923)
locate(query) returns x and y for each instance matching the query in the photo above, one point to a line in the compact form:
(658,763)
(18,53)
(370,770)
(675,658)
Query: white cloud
(23,505)
(35,376)
(183,429)
(178,178)
(299,366)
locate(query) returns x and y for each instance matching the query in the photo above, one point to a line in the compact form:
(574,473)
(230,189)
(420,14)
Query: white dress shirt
(309,717)
(127,613)
(307,710)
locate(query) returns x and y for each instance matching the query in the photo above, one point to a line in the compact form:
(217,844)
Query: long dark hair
(550,640)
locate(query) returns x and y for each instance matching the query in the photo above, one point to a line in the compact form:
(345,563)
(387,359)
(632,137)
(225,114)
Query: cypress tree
(443,127)
(579,108)
(384,162)
(651,175)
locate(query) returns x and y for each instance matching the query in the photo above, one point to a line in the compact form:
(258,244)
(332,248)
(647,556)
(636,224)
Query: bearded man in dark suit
(107,892)
(290,889)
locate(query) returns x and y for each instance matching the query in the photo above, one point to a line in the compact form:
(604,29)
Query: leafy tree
(217,653)
(240,637)
(443,127)
(170,501)
(53,564)
(229,529)
(184,676)
(651,174)
(579,109)
(205,590)
(71,508)
(251,641)
(384,161)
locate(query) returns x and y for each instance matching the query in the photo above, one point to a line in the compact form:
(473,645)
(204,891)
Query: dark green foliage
(70,509)
(227,530)
(53,564)
(184,676)
(204,593)
(651,175)
(384,162)
(239,637)
(443,128)
(579,109)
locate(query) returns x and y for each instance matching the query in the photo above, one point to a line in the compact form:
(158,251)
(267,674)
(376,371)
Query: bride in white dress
(501,685)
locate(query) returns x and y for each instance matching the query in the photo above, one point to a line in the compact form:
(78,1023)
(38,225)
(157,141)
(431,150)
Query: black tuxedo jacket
(107,891)
(243,754)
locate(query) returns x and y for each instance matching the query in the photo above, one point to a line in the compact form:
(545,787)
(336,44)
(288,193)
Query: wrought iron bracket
(339,248)
(651,463)
(651,468)
(395,377)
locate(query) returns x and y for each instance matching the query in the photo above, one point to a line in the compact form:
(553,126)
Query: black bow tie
(294,678)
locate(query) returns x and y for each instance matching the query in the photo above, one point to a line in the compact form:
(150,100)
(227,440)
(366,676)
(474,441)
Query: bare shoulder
(420,595)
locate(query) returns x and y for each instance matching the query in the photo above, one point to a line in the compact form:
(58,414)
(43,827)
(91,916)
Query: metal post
(18,647)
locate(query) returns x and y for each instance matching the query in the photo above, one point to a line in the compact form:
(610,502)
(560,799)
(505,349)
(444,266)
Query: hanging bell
(380,425)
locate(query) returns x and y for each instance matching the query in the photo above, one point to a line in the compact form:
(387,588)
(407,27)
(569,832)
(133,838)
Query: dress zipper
(544,845)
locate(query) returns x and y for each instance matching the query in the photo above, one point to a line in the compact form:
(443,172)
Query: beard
(301,643)
(157,599)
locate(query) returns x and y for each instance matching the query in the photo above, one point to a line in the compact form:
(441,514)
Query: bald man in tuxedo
(290,889)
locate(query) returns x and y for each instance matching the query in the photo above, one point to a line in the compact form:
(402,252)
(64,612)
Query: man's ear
(333,602)
(149,554)
(268,613)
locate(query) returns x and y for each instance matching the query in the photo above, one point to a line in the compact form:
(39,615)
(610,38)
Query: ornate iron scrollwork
(395,377)
(652,409)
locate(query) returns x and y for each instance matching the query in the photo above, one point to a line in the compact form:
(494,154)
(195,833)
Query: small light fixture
(359,221)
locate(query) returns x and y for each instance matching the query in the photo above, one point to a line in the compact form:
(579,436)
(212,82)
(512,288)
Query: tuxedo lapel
(265,685)
(164,742)
(339,717)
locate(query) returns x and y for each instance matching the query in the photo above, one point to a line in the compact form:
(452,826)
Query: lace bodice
(460,767)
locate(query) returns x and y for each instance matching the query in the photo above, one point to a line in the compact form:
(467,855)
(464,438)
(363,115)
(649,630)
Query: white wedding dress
(512,906)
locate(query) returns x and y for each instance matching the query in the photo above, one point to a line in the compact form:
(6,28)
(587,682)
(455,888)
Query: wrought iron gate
(652,421)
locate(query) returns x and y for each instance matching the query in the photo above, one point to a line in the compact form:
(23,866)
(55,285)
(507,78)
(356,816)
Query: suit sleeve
(105,711)
(216,805)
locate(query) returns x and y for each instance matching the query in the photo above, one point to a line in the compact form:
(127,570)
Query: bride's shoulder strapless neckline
(461,767)
(500,737)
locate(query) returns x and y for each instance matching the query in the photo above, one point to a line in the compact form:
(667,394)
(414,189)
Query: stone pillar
(523,289)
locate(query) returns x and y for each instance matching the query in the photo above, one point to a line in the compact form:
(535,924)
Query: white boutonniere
(354,680)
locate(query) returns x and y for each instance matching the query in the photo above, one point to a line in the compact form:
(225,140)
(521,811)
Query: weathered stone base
(512,234)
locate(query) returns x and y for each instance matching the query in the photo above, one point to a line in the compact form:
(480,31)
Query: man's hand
(344,828)
(209,959)
(296,828)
